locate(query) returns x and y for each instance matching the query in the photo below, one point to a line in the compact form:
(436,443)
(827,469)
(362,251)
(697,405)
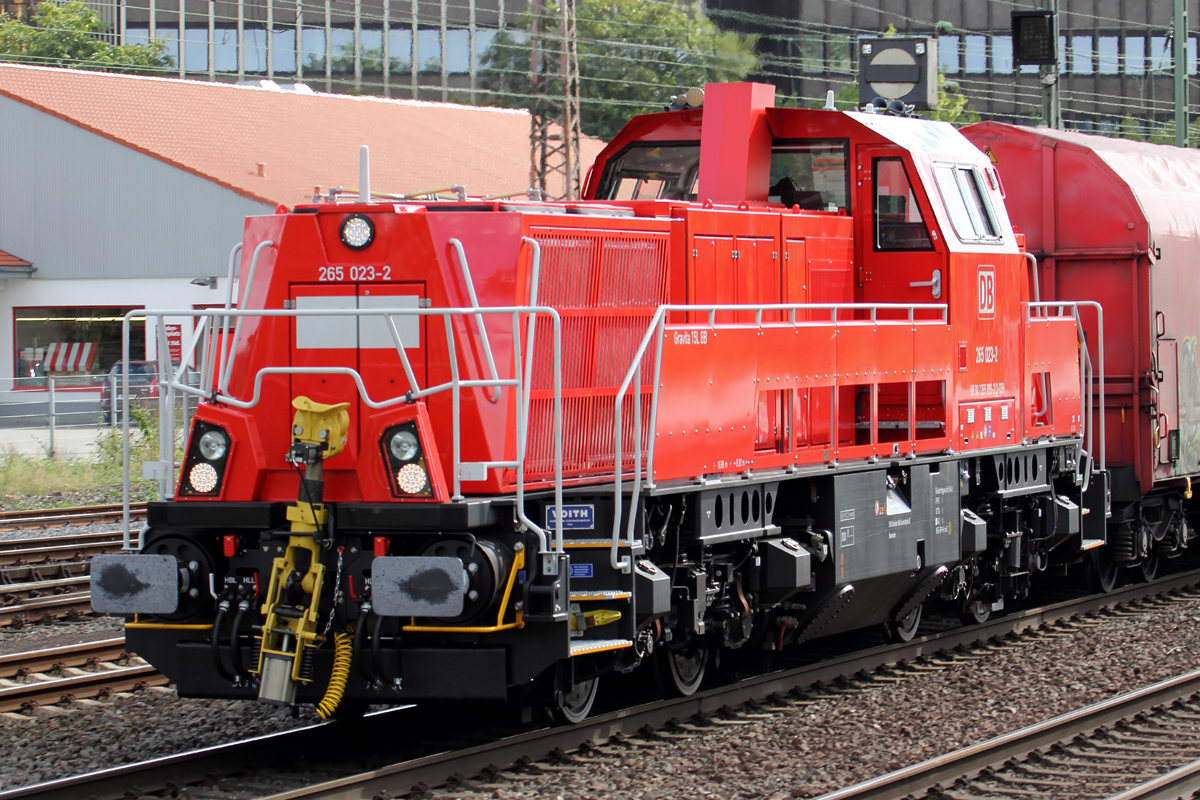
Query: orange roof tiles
(9,260)
(222,132)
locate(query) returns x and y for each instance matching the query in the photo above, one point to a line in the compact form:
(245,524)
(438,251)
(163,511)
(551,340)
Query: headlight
(357,231)
(403,456)
(203,478)
(404,445)
(411,479)
(213,446)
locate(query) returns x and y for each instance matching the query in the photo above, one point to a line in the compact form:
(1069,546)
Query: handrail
(548,566)
(1089,373)
(657,324)
(227,363)
(487,347)
(455,385)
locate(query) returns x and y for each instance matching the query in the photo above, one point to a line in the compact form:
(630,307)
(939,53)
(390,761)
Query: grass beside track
(29,482)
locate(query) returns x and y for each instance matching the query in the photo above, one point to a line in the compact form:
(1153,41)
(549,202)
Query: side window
(966,202)
(811,174)
(898,221)
(646,171)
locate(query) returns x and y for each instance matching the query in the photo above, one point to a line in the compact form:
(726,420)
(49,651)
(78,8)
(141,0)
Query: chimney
(262,169)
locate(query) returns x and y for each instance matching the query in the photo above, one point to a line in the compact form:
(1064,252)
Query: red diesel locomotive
(779,375)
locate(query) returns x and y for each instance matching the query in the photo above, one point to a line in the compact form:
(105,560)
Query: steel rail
(436,769)
(60,541)
(1178,783)
(79,684)
(994,752)
(57,553)
(79,515)
(36,609)
(69,655)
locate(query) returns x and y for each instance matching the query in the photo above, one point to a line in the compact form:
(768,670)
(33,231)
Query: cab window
(650,171)
(966,202)
(899,224)
(811,174)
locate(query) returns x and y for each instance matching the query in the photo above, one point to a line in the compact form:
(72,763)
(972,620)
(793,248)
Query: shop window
(73,344)
(898,221)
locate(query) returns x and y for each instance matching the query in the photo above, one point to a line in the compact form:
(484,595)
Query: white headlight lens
(203,478)
(213,445)
(357,232)
(404,445)
(411,479)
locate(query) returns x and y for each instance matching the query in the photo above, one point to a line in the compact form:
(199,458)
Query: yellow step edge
(583,648)
(594,544)
(613,595)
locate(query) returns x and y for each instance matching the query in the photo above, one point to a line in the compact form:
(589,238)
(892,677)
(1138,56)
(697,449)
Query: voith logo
(987,292)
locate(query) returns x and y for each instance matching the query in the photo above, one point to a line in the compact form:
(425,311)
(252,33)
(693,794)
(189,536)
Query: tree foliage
(68,35)
(634,56)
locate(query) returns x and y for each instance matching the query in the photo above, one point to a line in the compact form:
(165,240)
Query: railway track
(70,673)
(312,762)
(73,515)
(45,579)
(1117,748)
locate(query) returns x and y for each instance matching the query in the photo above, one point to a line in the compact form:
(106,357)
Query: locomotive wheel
(685,667)
(1148,569)
(574,706)
(974,612)
(905,629)
(1102,572)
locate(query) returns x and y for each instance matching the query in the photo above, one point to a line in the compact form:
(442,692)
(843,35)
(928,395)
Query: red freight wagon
(1118,222)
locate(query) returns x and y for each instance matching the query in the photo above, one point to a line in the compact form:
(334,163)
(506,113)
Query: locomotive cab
(774,378)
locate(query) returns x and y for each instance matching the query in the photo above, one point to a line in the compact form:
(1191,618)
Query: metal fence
(58,410)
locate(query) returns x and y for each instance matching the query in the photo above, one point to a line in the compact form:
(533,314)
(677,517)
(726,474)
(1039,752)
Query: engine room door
(900,262)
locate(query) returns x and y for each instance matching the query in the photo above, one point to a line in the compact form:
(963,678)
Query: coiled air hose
(343,651)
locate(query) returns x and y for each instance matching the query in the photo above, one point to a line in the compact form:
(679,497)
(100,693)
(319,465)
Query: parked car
(143,385)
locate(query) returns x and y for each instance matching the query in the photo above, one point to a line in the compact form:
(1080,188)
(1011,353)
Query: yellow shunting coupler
(289,636)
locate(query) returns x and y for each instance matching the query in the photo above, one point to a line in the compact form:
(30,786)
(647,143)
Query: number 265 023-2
(366,273)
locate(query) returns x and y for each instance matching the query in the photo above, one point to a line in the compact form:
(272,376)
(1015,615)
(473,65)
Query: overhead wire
(778,61)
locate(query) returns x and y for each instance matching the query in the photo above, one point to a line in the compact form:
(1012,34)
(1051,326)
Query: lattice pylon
(554,160)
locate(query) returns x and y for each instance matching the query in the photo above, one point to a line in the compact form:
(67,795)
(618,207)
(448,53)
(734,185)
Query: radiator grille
(607,285)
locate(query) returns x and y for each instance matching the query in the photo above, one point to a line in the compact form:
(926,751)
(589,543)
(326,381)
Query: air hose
(360,633)
(343,651)
(222,607)
(235,646)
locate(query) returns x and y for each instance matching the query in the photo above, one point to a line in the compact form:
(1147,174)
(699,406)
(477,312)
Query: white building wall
(80,205)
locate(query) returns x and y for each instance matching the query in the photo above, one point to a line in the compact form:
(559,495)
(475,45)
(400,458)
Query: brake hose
(235,649)
(222,607)
(343,654)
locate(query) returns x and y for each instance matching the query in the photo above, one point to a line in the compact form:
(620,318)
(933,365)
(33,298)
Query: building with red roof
(127,192)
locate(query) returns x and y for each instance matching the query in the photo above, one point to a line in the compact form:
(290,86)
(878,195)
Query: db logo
(987,292)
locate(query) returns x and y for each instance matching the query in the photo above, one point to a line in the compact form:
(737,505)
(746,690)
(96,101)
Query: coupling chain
(337,593)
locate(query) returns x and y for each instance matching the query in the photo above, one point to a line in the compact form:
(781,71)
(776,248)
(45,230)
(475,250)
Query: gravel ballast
(800,752)
(834,743)
(32,531)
